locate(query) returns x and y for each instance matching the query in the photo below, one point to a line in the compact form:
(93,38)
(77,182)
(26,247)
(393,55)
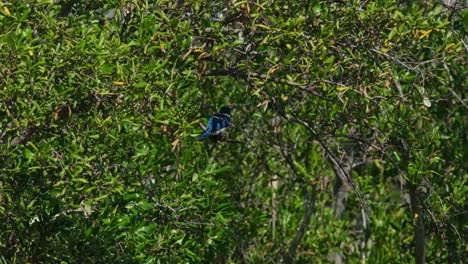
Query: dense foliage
(349,139)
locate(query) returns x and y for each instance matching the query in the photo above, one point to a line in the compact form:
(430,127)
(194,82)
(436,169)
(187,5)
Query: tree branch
(338,167)
(419,229)
(310,88)
(221,72)
(309,199)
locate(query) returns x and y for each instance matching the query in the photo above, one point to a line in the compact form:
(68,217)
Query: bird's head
(225,110)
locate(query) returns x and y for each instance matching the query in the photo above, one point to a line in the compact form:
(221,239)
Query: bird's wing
(209,125)
(220,122)
(226,120)
(216,125)
(209,129)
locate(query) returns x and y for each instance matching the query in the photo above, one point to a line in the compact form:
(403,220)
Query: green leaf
(140,85)
(28,154)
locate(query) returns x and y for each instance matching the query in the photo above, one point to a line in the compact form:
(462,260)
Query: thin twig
(394,58)
(451,90)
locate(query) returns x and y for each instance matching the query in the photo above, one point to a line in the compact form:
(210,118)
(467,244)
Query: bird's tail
(204,136)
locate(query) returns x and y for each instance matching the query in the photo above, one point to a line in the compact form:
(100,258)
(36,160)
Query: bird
(217,123)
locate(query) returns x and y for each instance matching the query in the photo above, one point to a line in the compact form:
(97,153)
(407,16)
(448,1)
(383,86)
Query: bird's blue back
(216,124)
